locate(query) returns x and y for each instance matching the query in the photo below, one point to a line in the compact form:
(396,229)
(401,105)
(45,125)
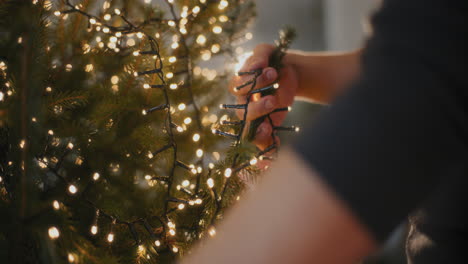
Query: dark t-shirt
(396,142)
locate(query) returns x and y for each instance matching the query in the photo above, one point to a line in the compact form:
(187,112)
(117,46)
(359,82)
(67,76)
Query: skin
(292,216)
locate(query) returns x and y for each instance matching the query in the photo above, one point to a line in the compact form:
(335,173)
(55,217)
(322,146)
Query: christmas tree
(107,150)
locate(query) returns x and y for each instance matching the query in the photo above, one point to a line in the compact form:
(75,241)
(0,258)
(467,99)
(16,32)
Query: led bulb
(96,176)
(181,106)
(199,153)
(94,229)
(54,233)
(181,206)
(110,237)
(72,189)
(56,205)
(210,182)
(196,137)
(228,172)
(157,243)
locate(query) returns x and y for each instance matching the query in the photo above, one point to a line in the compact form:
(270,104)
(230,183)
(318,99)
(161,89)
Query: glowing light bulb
(181,206)
(211,165)
(217,29)
(253,161)
(117,11)
(115,79)
(228,172)
(136,53)
(173,86)
(185,183)
(172,232)
(276,85)
(198,201)
(206,55)
(146,86)
(212,231)
(92,21)
(96,176)
(106,30)
(57,13)
(215,48)
(56,205)
(72,189)
(175,249)
(107,17)
(196,137)
(157,243)
(54,233)
(210,182)
(187,120)
(181,107)
(196,9)
(297,129)
(71,258)
(169,75)
(171,23)
(139,35)
(94,229)
(199,153)
(110,237)
(172,59)
(201,39)
(223,18)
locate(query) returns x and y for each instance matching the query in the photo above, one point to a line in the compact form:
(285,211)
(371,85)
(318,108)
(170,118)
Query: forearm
(323,75)
(290,218)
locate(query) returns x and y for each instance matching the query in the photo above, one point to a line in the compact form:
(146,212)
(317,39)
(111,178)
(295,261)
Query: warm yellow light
(157,243)
(196,9)
(71,258)
(210,182)
(172,59)
(181,206)
(173,86)
(206,55)
(92,21)
(196,137)
(223,4)
(187,120)
(174,45)
(117,11)
(217,29)
(169,75)
(253,161)
(107,17)
(199,153)
(110,237)
(56,204)
(115,79)
(89,68)
(171,23)
(223,18)
(172,232)
(54,233)
(72,189)
(105,30)
(228,172)
(201,39)
(94,229)
(181,106)
(212,231)
(175,249)
(146,86)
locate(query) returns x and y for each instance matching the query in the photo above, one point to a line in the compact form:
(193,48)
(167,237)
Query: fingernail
(270,74)
(269,104)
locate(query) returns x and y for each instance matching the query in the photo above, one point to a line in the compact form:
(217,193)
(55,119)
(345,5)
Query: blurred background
(323,25)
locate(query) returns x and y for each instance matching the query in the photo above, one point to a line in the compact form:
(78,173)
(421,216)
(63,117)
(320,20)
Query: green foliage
(71,108)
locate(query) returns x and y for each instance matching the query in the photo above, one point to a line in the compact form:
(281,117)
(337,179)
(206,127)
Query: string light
(217,29)
(201,39)
(172,59)
(187,120)
(71,258)
(94,229)
(56,205)
(175,249)
(110,237)
(173,86)
(199,153)
(72,189)
(210,182)
(228,172)
(212,231)
(196,137)
(157,243)
(181,206)
(54,233)
(181,106)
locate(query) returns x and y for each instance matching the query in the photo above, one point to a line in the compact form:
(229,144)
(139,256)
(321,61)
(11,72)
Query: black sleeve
(386,144)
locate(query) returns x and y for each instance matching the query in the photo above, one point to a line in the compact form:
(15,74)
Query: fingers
(259,58)
(263,138)
(257,108)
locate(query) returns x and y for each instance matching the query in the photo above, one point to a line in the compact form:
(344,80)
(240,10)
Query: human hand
(259,106)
